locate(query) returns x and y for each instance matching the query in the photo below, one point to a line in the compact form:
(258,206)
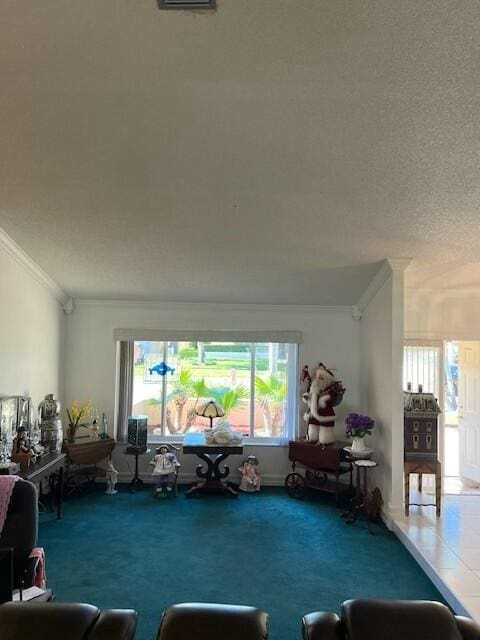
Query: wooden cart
(325,466)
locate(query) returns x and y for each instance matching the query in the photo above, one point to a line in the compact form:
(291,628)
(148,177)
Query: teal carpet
(268,550)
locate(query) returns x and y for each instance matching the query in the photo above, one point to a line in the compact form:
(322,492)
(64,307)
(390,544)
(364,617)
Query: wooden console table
(212,480)
(420,467)
(50,467)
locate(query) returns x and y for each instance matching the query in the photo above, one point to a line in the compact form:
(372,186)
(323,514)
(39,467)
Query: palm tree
(229,399)
(185,388)
(271,395)
(182,389)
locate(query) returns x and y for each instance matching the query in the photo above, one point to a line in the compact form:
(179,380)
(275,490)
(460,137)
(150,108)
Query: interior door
(469,410)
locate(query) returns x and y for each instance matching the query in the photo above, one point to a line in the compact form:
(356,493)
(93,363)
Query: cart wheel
(295,485)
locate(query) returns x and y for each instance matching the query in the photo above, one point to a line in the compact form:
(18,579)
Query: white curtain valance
(195,335)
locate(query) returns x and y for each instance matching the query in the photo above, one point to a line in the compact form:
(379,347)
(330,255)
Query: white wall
(330,335)
(382,357)
(31,330)
(438,314)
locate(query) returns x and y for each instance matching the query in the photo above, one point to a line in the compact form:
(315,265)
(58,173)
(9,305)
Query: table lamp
(210,410)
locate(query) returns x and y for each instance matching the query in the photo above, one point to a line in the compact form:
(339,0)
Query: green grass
(221,368)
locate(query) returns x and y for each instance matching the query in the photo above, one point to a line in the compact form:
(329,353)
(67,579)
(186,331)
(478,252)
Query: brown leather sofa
(213,622)
(390,619)
(55,621)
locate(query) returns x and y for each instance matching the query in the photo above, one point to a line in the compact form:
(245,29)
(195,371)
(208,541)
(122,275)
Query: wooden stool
(423,466)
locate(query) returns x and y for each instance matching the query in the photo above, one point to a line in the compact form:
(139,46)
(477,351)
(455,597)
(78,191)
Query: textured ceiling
(274,151)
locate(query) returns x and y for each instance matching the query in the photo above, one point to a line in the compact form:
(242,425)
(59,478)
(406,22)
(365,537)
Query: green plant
(271,394)
(230,399)
(183,388)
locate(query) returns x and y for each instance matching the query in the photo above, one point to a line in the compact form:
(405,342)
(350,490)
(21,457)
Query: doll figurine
(22,449)
(251,478)
(165,469)
(112,478)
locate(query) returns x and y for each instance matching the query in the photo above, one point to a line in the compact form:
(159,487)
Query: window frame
(291,409)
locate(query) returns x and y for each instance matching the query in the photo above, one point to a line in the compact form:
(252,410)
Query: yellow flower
(78,411)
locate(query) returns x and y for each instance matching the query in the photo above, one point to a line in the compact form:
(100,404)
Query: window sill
(248,442)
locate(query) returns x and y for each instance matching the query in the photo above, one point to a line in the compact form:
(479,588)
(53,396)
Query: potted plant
(357,427)
(75,414)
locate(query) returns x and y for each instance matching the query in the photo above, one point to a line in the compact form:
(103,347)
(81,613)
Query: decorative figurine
(324,393)
(251,478)
(104,433)
(22,449)
(165,469)
(305,377)
(51,424)
(94,425)
(112,478)
(161,369)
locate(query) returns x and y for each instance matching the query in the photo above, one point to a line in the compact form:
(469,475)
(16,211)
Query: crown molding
(68,306)
(14,250)
(439,336)
(399,264)
(356,313)
(389,267)
(447,291)
(212,306)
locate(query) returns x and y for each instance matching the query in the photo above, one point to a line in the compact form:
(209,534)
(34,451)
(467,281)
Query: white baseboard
(268,480)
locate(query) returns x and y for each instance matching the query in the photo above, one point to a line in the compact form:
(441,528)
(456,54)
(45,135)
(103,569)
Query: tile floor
(448,548)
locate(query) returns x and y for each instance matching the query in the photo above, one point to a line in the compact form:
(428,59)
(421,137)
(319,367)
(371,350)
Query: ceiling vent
(182,5)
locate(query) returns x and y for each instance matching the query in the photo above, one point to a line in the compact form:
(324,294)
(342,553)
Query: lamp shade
(210,410)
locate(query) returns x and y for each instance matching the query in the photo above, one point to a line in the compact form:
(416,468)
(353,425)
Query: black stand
(136,482)
(361,502)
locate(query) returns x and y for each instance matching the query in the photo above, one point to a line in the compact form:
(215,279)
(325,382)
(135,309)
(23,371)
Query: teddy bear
(324,393)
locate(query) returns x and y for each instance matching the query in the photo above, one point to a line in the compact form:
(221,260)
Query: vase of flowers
(357,427)
(75,414)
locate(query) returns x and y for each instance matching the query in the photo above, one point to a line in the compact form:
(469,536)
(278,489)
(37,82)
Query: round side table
(362,502)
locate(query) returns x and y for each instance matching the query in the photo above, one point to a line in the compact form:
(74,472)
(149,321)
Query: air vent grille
(187,4)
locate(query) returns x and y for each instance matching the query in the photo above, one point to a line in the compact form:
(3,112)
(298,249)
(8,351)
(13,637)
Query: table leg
(136,480)
(59,492)
(212,477)
(438,489)
(356,503)
(407,492)
(420,477)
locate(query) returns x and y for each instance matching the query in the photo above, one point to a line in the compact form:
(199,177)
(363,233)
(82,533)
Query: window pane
(218,370)
(421,367)
(182,375)
(147,383)
(271,366)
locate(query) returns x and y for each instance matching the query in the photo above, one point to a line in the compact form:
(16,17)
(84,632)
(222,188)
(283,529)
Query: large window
(421,366)
(253,382)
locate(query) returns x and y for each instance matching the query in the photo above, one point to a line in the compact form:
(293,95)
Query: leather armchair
(392,619)
(52,621)
(195,621)
(20,531)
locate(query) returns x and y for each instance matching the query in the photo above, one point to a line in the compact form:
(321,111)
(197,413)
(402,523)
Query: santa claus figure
(324,393)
